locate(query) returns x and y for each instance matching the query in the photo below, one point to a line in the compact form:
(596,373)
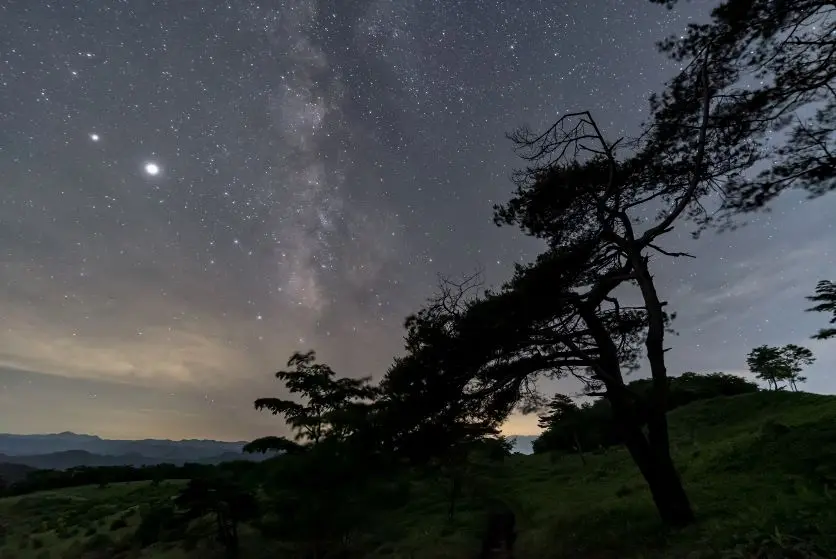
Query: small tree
(564,418)
(826,298)
(766,364)
(226,501)
(780,364)
(330,407)
(312,502)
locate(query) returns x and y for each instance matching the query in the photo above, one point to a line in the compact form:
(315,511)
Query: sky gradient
(190,191)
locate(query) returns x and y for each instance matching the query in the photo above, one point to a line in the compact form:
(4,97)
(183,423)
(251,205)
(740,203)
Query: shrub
(766,545)
(98,542)
(153,523)
(62,533)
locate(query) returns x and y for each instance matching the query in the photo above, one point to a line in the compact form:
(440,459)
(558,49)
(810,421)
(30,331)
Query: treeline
(572,427)
(42,480)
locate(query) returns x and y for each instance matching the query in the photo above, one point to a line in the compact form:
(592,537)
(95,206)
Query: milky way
(193,190)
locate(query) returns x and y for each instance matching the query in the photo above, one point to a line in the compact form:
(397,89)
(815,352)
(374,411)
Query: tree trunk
(655,347)
(455,489)
(232,547)
(651,456)
(578,447)
(658,470)
(220,524)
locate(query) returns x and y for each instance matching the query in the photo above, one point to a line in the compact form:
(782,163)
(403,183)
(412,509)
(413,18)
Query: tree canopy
(773,61)
(331,408)
(825,296)
(780,364)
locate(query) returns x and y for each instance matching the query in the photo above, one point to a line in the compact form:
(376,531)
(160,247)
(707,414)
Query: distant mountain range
(66,450)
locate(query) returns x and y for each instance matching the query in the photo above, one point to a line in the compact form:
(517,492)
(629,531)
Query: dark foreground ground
(759,469)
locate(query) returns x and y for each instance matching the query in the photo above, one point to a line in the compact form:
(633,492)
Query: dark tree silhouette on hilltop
(566,314)
(566,415)
(331,409)
(780,364)
(559,316)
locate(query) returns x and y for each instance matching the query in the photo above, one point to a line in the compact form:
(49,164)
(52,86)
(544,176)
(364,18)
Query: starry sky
(190,191)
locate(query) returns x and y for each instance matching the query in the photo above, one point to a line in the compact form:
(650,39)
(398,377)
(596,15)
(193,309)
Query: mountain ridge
(67,449)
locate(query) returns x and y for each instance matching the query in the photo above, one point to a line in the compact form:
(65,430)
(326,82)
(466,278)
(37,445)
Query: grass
(75,522)
(758,467)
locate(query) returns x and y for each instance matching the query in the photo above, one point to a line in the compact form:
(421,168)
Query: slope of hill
(758,469)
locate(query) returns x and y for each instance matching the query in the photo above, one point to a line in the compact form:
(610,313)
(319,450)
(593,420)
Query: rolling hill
(66,450)
(758,468)
(23,445)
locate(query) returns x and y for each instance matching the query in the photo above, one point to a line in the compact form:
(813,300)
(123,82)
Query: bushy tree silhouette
(229,503)
(331,405)
(319,491)
(780,364)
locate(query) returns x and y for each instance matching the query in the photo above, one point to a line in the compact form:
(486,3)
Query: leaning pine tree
(593,209)
(562,315)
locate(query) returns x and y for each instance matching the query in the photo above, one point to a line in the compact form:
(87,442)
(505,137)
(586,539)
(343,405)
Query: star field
(191,191)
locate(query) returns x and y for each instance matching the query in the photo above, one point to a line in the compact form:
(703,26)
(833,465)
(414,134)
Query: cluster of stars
(277,174)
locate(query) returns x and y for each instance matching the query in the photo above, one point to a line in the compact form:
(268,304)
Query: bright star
(152,169)
(95,137)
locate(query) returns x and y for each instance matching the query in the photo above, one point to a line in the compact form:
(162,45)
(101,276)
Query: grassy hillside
(758,467)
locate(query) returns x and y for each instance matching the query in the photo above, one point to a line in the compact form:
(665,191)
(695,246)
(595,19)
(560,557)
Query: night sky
(190,191)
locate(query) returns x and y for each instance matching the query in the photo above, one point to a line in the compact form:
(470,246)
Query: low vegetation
(760,468)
